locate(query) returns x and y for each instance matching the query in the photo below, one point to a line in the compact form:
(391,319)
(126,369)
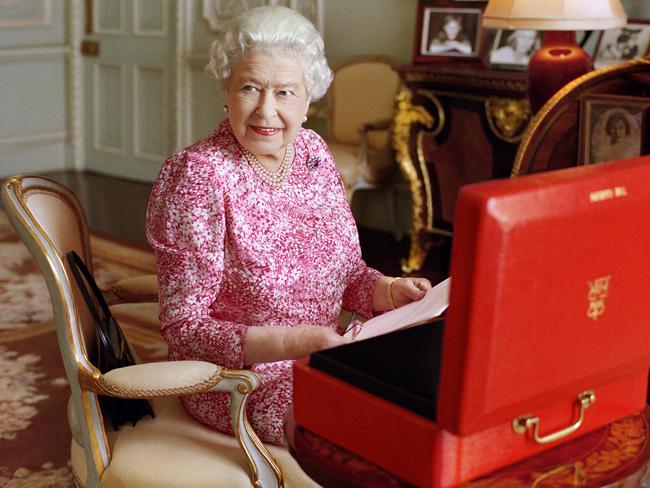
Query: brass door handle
(90,48)
(521,424)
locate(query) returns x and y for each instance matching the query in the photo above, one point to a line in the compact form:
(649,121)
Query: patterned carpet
(34,435)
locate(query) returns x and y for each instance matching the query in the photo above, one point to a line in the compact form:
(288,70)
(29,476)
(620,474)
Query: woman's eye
(285,93)
(249,88)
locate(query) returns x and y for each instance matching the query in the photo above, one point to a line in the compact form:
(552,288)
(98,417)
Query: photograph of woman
(450,32)
(618,45)
(256,247)
(513,48)
(616,134)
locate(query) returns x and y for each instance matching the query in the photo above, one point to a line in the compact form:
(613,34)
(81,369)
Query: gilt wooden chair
(359,115)
(360,105)
(171,449)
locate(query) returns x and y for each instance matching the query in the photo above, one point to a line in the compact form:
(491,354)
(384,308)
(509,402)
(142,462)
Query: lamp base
(559,61)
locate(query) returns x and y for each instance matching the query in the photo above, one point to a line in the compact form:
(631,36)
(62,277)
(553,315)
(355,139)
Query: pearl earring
(225,109)
(304,119)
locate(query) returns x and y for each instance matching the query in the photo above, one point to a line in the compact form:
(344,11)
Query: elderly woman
(256,247)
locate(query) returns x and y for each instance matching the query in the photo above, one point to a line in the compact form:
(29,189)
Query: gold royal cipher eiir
(598,290)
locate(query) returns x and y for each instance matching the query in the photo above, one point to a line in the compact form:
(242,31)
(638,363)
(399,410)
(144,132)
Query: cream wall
(637,9)
(369,27)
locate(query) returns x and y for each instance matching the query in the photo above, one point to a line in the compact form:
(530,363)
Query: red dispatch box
(547,335)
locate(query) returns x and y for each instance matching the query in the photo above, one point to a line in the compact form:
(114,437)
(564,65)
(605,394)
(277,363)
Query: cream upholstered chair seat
(347,160)
(172,449)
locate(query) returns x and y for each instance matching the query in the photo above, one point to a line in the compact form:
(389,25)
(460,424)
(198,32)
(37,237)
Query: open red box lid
(550,291)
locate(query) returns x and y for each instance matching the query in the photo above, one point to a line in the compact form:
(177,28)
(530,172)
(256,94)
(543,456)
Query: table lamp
(560,59)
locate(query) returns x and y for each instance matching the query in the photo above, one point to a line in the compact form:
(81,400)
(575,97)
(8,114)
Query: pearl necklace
(276,178)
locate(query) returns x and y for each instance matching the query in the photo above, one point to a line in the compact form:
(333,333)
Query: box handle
(521,424)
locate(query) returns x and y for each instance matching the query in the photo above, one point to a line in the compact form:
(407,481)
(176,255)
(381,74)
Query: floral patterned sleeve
(358,293)
(186,227)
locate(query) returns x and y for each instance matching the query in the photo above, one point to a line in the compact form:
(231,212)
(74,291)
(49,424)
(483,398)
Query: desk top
(616,455)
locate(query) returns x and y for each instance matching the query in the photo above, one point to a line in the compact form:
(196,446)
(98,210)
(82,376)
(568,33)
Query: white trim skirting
(42,138)
(22,53)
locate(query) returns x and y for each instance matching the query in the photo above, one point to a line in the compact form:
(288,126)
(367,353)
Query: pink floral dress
(234,252)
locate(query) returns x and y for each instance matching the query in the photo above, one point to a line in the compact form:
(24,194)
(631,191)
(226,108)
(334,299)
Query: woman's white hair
(272,30)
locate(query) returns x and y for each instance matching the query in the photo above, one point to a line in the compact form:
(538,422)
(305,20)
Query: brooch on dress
(313,163)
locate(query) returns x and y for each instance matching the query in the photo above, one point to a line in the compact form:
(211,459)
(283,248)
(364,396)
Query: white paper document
(431,305)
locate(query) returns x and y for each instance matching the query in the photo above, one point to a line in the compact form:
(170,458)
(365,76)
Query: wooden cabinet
(454,125)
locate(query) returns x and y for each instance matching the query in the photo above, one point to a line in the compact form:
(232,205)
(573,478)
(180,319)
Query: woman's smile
(265,131)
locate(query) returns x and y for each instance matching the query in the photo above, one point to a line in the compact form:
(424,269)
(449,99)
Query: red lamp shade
(560,59)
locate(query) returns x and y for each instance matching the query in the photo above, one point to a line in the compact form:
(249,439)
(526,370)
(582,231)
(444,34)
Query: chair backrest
(51,222)
(363,90)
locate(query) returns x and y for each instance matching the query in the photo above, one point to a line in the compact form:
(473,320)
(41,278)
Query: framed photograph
(447,32)
(618,45)
(512,48)
(612,127)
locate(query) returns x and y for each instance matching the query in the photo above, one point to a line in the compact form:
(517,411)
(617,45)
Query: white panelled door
(129,86)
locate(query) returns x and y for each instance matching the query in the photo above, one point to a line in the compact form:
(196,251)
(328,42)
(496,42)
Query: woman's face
(452,28)
(267,102)
(618,129)
(524,41)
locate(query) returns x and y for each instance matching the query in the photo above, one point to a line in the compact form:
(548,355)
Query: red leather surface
(418,450)
(518,337)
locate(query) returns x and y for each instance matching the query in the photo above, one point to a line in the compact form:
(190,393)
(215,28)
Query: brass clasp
(521,424)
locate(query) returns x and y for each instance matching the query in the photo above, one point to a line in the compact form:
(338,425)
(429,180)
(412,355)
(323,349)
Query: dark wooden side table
(454,125)
(617,455)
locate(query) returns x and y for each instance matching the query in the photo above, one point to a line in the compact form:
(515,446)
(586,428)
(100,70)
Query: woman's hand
(407,290)
(305,339)
(275,343)
(390,293)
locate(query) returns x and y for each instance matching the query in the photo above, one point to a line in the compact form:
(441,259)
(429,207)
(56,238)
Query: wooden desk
(617,455)
(454,125)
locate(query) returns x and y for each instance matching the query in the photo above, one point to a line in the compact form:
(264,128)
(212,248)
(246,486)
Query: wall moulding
(22,53)
(42,138)
(139,88)
(18,14)
(100,23)
(101,115)
(140,30)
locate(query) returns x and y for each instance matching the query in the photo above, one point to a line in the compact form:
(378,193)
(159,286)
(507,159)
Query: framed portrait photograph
(618,45)
(448,32)
(612,127)
(512,49)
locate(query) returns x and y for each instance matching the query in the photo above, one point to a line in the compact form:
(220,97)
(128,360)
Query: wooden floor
(117,207)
